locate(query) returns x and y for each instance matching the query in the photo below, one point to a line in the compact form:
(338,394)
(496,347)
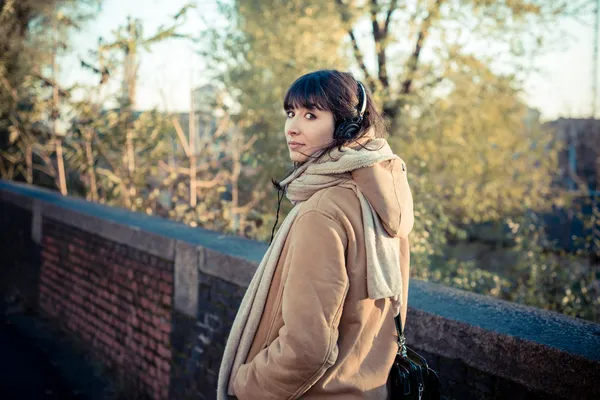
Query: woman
(317,319)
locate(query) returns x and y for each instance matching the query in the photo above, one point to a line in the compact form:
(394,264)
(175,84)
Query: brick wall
(114,298)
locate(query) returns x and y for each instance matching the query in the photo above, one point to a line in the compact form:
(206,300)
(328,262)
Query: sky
(563,88)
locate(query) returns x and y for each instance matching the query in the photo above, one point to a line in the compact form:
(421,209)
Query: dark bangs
(308,92)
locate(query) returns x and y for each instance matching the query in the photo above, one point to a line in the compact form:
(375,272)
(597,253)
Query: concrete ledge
(186,279)
(230,268)
(543,350)
(132,236)
(144,232)
(36,221)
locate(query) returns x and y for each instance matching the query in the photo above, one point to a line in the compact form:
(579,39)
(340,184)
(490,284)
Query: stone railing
(154,300)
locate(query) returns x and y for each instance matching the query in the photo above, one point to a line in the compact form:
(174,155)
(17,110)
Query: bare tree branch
(360,60)
(103,151)
(221,128)
(249,144)
(250,205)
(358,55)
(388,17)
(3,170)
(413,61)
(181,136)
(379,37)
(210,183)
(8,87)
(104,72)
(374,22)
(177,170)
(433,82)
(48,162)
(50,82)
(43,169)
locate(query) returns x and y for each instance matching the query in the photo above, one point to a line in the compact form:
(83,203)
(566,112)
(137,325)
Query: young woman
(317,320)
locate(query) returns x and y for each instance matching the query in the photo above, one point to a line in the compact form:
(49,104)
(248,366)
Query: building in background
(579,174)
(579,161)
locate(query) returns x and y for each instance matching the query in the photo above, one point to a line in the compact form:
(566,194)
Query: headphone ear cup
(347,130)
(339,131)
(351,130)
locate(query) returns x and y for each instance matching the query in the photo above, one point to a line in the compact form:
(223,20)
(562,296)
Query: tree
(129,40)
(31,33)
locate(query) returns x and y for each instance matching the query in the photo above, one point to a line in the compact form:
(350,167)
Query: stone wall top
(109,221)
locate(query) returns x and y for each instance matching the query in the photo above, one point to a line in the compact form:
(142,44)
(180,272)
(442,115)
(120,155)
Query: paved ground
(25,371)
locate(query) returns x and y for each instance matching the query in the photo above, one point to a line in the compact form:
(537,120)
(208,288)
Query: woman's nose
(292,132)
(292,128)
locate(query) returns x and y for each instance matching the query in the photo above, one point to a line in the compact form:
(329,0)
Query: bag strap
(401,338)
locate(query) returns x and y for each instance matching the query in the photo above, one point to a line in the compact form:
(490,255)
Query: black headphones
(347,129)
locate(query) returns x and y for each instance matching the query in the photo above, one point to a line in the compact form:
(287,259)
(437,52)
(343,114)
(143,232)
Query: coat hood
(385,185)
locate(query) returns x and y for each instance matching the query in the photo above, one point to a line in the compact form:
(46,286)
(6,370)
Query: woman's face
(307,131)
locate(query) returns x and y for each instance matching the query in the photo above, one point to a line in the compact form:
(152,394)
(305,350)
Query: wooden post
(62,180)
(235,178)
(29,162)
(192,149)
(90,164)
(61,166)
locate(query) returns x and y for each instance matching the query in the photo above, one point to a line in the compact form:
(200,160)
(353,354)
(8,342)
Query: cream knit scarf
(382,250)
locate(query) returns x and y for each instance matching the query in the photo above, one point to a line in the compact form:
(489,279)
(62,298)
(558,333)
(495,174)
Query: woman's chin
(297,157)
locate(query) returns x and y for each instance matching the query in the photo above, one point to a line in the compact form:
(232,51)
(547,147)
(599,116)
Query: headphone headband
(350,128)
(364,100)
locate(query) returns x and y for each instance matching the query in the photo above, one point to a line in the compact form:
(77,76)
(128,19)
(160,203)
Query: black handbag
(410,376)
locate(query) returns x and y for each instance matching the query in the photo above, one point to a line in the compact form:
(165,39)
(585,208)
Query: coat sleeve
(312,301)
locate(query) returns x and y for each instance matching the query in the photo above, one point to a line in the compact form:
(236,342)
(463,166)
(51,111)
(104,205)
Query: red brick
(166,276)
(164,287)
(165,327)
(47,255)
(76,298)
(163,351)
(151,344)
(144,302)
(154,273)
(156,334)
(166,380)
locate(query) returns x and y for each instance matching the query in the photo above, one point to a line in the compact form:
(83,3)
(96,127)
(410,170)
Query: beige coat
(320,336)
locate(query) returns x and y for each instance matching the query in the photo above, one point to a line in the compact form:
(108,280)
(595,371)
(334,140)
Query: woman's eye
(290,114)
(310,116)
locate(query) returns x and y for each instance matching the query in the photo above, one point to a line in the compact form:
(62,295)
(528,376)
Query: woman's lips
(295,145)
